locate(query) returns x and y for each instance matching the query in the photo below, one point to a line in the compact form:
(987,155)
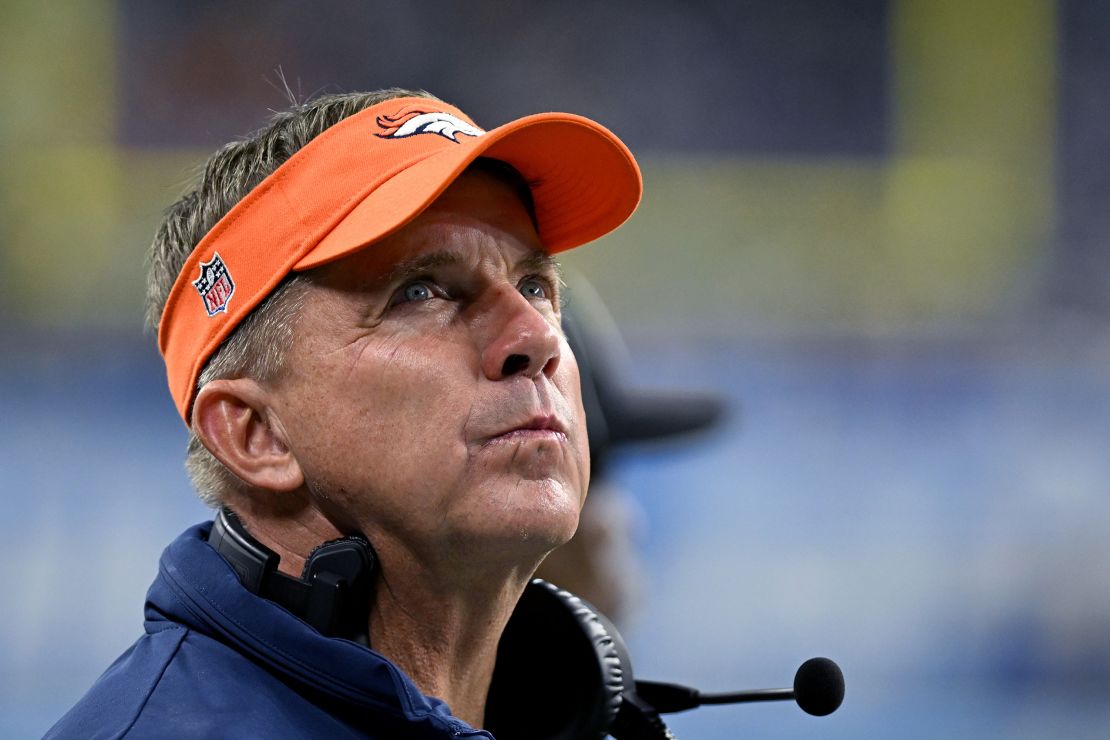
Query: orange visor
(363,179)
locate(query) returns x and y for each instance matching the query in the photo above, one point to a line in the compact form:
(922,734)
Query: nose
(521,340)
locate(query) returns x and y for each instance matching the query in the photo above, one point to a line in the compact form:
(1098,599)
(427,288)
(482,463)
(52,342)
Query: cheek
(569,383)
(375,422)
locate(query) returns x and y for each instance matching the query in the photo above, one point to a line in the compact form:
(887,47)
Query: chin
(549,535)
(534,522)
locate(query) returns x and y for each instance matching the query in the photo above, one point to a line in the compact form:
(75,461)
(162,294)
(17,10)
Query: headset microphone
(818,689)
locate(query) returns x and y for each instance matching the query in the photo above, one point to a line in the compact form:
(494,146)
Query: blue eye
(417,291)
(533,288)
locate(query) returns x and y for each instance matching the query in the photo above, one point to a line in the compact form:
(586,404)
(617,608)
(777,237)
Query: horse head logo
(414,123)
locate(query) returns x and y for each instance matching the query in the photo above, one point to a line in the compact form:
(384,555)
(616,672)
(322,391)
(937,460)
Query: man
(360,318)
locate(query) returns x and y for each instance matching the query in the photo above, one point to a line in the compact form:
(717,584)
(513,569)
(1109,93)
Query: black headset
(562,671)
(333,591)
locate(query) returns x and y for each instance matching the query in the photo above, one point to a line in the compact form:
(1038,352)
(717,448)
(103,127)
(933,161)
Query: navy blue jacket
(217,661)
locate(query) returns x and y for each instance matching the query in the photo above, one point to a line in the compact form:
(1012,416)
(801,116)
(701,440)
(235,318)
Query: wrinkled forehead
(508,176)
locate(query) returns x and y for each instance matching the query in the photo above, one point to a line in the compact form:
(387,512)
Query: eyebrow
(535,262)
(542,262)
(416,265)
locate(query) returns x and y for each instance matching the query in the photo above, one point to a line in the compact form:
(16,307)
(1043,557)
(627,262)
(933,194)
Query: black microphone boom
(818,689)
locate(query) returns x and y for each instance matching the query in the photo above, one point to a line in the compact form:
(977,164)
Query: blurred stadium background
(879,227)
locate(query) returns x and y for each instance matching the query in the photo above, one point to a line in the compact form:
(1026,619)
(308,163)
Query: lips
(541,426)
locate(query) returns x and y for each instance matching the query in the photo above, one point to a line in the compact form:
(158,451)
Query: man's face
(430,397)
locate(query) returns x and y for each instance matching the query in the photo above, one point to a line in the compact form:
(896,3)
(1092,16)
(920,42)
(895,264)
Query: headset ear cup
(559,673)
(609,650)
(632,716)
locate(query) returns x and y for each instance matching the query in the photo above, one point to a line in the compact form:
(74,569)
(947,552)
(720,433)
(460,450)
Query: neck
(291,531)
(445,641)
(447,646)
(440,626)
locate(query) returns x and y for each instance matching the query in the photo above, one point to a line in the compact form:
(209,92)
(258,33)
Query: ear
(233,419)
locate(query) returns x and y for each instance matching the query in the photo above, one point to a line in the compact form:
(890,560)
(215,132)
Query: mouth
(543,427)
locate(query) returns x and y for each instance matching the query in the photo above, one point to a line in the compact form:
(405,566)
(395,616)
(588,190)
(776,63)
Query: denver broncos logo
(418,122)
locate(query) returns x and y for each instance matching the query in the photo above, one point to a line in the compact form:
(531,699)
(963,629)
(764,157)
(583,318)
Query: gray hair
(256,348)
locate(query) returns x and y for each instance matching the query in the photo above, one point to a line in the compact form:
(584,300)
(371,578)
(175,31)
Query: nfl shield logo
(214,285)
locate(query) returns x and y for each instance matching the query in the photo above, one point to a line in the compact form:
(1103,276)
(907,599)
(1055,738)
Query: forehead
(478,217)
